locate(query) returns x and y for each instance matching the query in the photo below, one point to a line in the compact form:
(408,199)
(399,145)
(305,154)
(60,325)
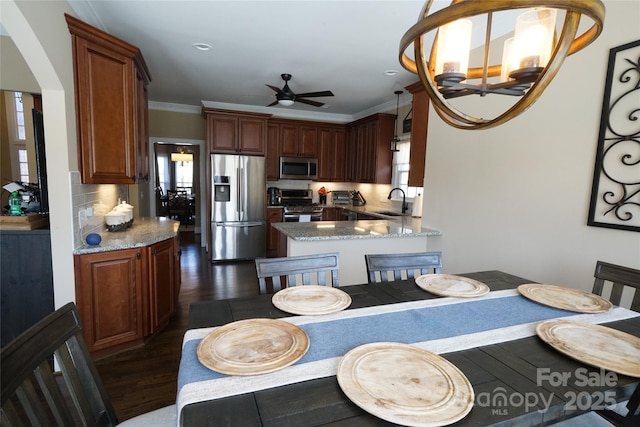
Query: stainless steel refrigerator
(238,225)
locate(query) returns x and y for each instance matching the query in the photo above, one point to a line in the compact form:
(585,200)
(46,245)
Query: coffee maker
(274,196)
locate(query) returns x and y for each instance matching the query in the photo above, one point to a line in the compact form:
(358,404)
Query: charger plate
(405,385)
(595,345)
(311,300)
(451,286)
(253,346)
(565,298)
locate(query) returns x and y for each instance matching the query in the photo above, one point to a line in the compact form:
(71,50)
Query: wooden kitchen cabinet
(110,298)
(332,214)
(162,298)
(111,79)
(236,132)
(273,152)
(298,140)
(273,235)
(419,125)
(368,149)
(332,154)
(125,296)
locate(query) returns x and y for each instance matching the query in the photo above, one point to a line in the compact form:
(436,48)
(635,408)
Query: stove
(299,206)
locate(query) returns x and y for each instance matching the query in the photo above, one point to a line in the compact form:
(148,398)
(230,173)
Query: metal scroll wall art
(615,195)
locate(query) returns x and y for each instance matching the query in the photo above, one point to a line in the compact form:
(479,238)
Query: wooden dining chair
(402,266)
(619,277)
(49,379)
(297,270)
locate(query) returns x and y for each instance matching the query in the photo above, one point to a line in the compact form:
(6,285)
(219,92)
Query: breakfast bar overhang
(353,239)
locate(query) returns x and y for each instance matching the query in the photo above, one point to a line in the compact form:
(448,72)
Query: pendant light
(530,59)
(395,140)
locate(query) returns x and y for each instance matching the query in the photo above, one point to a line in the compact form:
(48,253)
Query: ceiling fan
(286,97)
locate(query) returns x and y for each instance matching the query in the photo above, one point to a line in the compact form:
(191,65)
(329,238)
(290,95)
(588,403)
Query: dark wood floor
(145,378)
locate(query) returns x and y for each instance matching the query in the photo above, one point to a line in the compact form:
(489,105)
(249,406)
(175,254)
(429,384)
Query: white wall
(516,197)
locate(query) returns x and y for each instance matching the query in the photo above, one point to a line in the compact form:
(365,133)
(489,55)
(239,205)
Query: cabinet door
(251,136)
(109,297)
(105,114)
(289,140)
(332,214)
(142,130)
(331,158)
(419,125)
(222,133)
(161,258)
(340,162)
(273,215)
(273,152)
(177,268)
(308,144)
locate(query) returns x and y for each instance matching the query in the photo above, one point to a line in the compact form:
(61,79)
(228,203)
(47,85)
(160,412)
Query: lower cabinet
(124,296)
(273,235)
(162,299)
(332,214)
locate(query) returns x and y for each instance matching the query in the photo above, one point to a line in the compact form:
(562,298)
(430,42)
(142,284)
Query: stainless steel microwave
(298,168)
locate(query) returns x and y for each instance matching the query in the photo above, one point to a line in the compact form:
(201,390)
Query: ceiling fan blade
(308,101)
(277,89)
(273,103)
(314,94)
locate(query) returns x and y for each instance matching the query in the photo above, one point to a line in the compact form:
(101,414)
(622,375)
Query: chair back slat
(620,277)
(401,266)
(298,270)
(33,394)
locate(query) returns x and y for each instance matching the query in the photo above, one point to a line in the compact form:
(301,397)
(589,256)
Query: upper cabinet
(332,154)
(298,140)
(369,149)
(419,124)
(111,79)
(236,132)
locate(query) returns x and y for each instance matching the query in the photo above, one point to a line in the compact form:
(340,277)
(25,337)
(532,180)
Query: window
(164,178)
(23,165)
(400,170)
(184,175)
(20,130)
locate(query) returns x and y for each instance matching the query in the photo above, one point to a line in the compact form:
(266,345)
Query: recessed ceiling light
(391,72)
(202,46)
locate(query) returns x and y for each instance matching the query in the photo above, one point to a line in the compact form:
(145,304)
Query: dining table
(517,378)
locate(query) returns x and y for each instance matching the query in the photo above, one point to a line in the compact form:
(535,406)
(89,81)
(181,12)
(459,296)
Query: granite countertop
(385,227)
(143,232)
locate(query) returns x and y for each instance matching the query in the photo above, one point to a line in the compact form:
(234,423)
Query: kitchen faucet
(404,202)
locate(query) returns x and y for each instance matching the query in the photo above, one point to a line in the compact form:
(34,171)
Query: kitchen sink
(387,213)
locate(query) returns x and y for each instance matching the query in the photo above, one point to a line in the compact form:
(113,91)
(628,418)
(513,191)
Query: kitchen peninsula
(127,286)
(353,239)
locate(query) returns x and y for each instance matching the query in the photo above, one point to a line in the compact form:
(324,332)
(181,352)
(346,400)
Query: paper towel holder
(416,208)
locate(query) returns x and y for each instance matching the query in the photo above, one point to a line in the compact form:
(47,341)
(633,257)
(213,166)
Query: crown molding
(176,108)
(282,112)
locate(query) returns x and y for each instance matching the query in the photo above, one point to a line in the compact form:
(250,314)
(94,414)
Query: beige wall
(172,124)
(516,198)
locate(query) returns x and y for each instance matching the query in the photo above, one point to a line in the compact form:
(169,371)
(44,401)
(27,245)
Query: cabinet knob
(138,255)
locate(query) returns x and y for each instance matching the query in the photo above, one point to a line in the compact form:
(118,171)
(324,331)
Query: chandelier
(530,59)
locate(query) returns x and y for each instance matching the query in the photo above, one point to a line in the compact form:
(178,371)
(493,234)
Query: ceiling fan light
(285,102)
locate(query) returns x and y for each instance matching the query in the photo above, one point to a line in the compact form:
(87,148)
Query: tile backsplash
(91,202)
